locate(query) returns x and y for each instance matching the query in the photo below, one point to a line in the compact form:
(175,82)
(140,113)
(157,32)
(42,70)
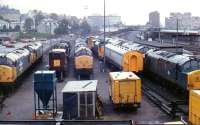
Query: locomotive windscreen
(191,65)
(6,61)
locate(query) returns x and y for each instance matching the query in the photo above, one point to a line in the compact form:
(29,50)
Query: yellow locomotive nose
(193,80)
(83,62)
(7,74)
(101,52)
(33,58)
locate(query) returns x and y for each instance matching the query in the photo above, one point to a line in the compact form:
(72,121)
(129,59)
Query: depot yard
(20,104)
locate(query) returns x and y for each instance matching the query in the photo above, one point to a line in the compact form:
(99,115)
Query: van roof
(123,75)
(80,86)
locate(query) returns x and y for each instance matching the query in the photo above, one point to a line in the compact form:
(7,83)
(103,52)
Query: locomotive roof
(117,49)
(63,43)
(5,50)
(123,75)
(58,50)
(171,57)
(81,48)
(79,40)
(97,42)
(18,53)
(79,44)
(137,46)
(35,45)
(133,46)
(80,86)
(115,41)
(157,44)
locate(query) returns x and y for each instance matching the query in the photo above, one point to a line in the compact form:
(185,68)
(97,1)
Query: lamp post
(104,31)
(103,61)
(159,34)
(177,23)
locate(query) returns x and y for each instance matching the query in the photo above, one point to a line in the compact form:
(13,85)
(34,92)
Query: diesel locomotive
(83,59)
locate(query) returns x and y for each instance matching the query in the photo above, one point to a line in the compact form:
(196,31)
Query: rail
(71,122)
(170,107)
(2,98)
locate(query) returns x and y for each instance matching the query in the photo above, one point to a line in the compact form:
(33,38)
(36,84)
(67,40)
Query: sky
(132,12)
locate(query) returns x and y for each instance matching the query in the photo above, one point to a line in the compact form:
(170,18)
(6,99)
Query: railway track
(2,98)
(172,106)
(194,48)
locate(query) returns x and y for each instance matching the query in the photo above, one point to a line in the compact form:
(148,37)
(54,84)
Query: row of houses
(12,18)
(46,25)
(4,24)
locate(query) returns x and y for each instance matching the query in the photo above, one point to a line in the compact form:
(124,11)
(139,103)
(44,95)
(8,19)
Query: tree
(75,27)
(28,24)
(63,27)
(85,27)
(54,16)
(74,23)
(38,18)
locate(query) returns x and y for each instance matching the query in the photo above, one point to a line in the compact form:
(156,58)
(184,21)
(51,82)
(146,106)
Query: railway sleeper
(170,109)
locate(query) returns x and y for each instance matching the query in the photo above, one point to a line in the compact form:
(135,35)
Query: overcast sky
(131,11)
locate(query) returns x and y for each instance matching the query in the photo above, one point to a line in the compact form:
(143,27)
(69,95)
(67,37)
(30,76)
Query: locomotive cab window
(194,64)
(3,60)
(190,65)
